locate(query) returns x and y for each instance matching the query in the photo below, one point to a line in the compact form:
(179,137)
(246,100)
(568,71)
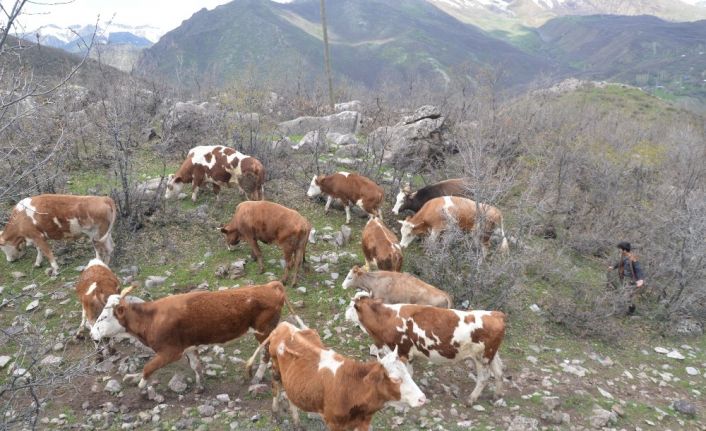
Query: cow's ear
(376,375)
(119,310)
(224,229)
(178,179)
(356,269)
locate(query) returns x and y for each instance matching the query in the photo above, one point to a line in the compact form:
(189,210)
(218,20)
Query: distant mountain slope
(372,40)
(643,51)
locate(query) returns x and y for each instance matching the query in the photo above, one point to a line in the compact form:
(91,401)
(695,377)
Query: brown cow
(222,167)
(380,247)
(42,217)
(95,285)
(438,334)
(176,325)
(396,288)
(414,201)
(270,223)
(345,392)
(350,189)
(433,216)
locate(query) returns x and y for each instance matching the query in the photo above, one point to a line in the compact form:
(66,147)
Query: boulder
(686,327)
(417,139)
(310,141)
(342,122)
(342,139)
(150,187)
(177,384)
(353,105)
(601,417)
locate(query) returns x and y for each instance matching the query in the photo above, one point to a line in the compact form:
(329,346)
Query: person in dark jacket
(630,273)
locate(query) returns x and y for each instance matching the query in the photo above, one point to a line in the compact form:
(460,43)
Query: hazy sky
(163,14)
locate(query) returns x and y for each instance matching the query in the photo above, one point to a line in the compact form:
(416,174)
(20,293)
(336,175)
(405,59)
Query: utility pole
(327,55)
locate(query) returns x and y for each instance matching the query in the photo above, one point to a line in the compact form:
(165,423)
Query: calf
(42,217)
(222,167)
(345,392)
(438,334)
(434,215)
(176,325)
(350,189)
(95,285)
(396,288)
(380,247)
(270,223)
(414,201)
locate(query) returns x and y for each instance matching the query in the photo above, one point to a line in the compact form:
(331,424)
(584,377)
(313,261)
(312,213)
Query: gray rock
(426,111)
(342,122)
(32,305)
(675,354)
(342,140)
(692,371)
(224,398)
(113,386)
(601,417)
(551,403)
(311,140)
(258,388)
(4,360)
(312,236)
(353,105)
(684,407)
(177,384)
(17,274)
(51,360)
(154,281)
(206,410)
(687,327)
(49,312)
(556,417)
(523,423)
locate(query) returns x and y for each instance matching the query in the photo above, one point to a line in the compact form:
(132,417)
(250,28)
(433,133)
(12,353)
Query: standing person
(630,273)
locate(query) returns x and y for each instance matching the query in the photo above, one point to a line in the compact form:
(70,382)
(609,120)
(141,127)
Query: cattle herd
(404,316)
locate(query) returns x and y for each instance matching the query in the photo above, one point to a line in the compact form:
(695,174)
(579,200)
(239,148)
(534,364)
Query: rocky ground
(554,380)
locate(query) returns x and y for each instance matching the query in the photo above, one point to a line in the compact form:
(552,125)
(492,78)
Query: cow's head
(174,186)
(232,236)
(352,276)
(354,308)
(395,382)
(111,321)
(314,189)
(407,232)
(403,198)
(14,248)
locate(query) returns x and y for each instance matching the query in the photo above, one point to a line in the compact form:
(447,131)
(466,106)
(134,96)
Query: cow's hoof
(51,272)
(80,336)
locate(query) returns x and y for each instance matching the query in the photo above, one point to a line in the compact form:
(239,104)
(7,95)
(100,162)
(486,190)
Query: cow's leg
(262,331)
(192,355)
(216,191)
(104,248)
(289,256)
(276,390)
(43,247)
(482,376)
(82,325)
(295,414)
(299,257)
(160,359)
(256,253)
(348,214)
(38,260)
(329,201)
(496,367)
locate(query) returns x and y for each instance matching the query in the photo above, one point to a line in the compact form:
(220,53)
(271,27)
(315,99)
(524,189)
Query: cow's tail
(249,182)
(449,301)
(113,215)
(294,314)
(251,360)
(504,246)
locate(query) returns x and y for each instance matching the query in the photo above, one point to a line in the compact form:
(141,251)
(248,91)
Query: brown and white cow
(380,247)
(432,219)
(176,325)
(222,167)
(414,201)
(345,392)
(349,188)
(270,223)
(396,288)
(35,220)
(95,285)
(438,334)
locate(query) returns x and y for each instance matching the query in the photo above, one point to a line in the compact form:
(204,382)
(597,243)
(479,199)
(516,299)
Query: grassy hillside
(542,360)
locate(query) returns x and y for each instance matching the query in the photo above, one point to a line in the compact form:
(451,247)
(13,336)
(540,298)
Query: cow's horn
(127,290)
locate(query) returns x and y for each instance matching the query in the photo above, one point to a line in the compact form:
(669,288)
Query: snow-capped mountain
(502,14)
(68,38)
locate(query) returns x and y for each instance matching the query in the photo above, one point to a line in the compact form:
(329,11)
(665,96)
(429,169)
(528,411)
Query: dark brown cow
(396,288)
(95,285)
(351,189)
(380,247)
(414,201)
(438,334)
(345,392)
(270,223)
(178,324)
(36,219)
(222,167)
(432,219)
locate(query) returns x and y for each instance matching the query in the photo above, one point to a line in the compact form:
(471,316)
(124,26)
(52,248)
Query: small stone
(523,423)
(258,388)
(49,312)
(224,398)
(684,407)
(32,305)
(301,289)
(551,403)
(346,232)
(17,274)
(661,350)
(535,308)
(154,281)
(532,359)
(692,371)
(255,418)
(604,393)
(29,287)
(618,410)
(312,236)
(177,384)
(4,360)
(478,408)
(206,410)
(674,354)
(113,386)
(334,276)
(601,417)
(51,360)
